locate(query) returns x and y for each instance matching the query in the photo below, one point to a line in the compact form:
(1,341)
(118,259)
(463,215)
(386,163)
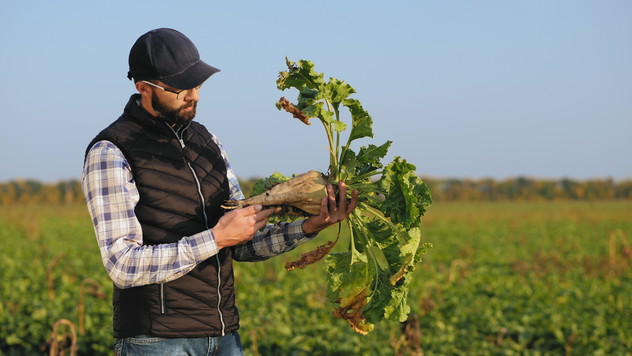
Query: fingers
(255,212)
(251,218)
(263,215)
(342,194)
(323,206)
(258,217)
(251,209)
(332,211)
(332,199)
(354,202)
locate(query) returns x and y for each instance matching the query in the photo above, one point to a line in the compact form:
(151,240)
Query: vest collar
(134,110)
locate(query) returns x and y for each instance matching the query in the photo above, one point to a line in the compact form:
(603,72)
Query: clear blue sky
(463,88)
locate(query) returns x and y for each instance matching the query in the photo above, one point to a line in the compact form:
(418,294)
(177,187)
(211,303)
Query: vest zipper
(199,189)
(162,298)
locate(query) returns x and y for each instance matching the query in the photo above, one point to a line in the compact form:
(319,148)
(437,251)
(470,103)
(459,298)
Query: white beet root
(304,192)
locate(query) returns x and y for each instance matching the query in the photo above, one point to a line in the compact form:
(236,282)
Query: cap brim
(192,77)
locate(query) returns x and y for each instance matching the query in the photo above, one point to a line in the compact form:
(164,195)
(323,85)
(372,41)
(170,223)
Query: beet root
(303,192)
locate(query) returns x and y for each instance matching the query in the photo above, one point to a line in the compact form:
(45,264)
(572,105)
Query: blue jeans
(143,345)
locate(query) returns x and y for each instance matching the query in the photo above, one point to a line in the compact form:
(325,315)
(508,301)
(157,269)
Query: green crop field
(514,278)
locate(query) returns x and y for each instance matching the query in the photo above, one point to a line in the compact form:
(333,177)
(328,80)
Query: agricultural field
(510,278)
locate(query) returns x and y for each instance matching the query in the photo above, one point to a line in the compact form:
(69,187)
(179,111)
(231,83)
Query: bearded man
(154,181)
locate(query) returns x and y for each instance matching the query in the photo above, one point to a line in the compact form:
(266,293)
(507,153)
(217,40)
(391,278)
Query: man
(154,181)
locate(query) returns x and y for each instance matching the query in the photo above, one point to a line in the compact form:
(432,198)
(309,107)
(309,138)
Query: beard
(176,117)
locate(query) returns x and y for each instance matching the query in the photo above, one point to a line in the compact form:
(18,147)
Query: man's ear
(145,97)
(143,88)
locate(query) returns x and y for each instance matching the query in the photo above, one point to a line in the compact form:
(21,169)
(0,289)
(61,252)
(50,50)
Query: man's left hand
(330,212)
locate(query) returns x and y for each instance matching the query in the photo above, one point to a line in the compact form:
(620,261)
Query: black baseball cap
(169,56)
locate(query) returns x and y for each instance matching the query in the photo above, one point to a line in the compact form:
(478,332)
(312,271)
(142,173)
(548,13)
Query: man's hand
(240,225)
(330,212)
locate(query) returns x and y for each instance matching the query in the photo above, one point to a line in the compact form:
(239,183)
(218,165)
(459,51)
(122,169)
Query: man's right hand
(240,225)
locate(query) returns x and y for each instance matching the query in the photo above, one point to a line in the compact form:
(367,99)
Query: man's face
(173,110)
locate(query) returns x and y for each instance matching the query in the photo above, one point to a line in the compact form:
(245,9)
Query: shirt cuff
(207,245)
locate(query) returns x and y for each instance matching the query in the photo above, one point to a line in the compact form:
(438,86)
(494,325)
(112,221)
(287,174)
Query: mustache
(192,104)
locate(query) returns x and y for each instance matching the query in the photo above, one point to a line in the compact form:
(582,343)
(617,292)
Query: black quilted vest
(181,178)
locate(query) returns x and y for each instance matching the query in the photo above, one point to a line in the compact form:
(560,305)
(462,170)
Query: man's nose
(192,95)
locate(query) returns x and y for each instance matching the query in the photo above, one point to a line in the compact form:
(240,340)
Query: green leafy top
(369,280)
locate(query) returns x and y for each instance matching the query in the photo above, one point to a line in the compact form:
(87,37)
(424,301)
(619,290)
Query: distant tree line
(35,192)
(522,188)
(442,189)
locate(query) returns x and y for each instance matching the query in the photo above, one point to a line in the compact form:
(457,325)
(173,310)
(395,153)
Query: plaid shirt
(111,195)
